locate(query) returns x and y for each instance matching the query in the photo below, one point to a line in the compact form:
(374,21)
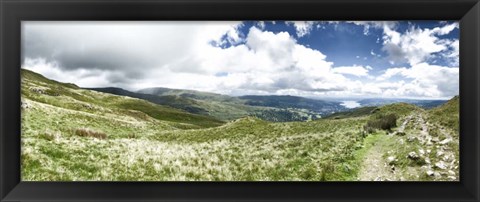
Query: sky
(318,59)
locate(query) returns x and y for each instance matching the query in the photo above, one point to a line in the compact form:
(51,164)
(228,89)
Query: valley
(111,134)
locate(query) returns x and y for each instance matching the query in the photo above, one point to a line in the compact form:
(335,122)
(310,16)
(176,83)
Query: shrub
(327,169)
(381,121)
(85,132)
(368,129)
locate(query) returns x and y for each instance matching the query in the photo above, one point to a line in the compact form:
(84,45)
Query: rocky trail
(431,153)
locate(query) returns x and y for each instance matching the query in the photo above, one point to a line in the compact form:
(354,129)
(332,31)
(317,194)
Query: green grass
(447,114)
(134,140)
(358,112)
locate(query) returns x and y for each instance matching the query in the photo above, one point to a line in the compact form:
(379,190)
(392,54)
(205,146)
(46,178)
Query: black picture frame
(12,12)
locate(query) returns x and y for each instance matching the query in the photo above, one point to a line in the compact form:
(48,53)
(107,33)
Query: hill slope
(37,88)
(73,134)
(447,114)
(426,104)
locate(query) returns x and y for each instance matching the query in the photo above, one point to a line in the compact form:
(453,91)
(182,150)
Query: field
(74,134)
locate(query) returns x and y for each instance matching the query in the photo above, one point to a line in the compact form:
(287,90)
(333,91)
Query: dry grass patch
(85,132)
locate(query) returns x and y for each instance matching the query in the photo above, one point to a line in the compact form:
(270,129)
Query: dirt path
(374,167)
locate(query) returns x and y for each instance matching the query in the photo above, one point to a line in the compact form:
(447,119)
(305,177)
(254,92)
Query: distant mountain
(270,108)
(192,94)
(174,101)
(426,104)
(286,101)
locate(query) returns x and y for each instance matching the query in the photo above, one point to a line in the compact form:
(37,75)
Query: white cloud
(261,24)
(416,45)
(181,55)
(367,25)
(81,77)
(353,70)
(303,28)
(426,81)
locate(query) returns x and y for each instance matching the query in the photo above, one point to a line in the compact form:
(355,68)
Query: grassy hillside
(174,101)
(37,88)
(70,133)
(357,112)
(224,107)
(287,101)
(426,104)
(447,114)
(73,134)
(221,107)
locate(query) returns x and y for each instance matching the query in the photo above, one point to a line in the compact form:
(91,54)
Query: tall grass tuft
(85,132)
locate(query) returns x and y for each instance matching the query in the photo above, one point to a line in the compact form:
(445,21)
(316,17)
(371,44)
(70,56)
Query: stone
(452,177)
(411,138)
(445,141)
(430,173)
(441,165)
(421,152)
(391,160)
(24,105)
(435,139)
(451,172)
(447,157)
(427,160)
(413,155)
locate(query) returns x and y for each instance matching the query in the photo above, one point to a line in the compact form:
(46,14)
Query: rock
(430,173)
(411,138)
(37,90)
(401,141)
(427,160)
(421,152)
(451,172)
(391,160)
(429,151)
(413,156)
(440,153)
(24,105)
(435,139)
(437,174)
(452,177)
(445,141)
(441,165)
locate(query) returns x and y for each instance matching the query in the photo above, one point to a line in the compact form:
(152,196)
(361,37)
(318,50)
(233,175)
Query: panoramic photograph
(240,101)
